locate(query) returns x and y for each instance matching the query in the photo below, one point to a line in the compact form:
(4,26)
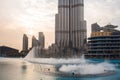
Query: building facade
(70,28)
(41,39)
(35,42)
(8,52)
(104,42)
(25,42)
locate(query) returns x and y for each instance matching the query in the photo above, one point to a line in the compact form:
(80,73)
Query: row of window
(106,37)
(105,48)
(103,45)
(112,41)
(100,34)
(104,52)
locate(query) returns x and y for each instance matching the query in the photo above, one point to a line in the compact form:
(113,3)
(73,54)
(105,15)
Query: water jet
(72,67)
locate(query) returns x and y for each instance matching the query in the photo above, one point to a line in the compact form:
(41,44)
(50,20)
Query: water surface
(17,69)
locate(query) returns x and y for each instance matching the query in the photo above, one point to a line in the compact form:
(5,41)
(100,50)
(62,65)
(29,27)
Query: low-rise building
(8,52)
(104,42)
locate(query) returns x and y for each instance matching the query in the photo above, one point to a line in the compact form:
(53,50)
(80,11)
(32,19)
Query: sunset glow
(33,16)
(31,32)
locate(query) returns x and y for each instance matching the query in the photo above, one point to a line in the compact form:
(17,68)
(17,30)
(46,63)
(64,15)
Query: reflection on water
(16,69)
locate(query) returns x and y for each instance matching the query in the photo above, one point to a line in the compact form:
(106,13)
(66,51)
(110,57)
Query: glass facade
(70,28)
(104,42)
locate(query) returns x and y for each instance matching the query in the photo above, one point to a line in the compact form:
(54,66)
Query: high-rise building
(70,28)
(34,42)
(41,39)
(25,42)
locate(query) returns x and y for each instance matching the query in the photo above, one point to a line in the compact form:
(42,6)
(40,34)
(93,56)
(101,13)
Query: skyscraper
(41,39)
(25,42)
(70,28)
(35,42)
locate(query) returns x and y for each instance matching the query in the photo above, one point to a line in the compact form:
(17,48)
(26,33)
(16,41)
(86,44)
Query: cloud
(11,37)
(38,15)
(102,11)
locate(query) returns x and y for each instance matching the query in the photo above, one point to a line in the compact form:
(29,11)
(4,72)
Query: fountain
(72,67)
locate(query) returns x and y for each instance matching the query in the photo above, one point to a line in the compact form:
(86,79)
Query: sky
(32,16)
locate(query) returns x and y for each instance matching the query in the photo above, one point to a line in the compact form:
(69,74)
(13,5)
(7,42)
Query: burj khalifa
(70,26)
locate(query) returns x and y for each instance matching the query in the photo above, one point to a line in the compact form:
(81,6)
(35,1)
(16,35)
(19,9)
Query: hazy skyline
(32,16)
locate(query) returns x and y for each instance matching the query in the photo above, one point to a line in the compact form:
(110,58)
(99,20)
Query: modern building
(35,42)
(41,39)
(70,26)
(8,52)
(104,42)
(70,31)
(25,42)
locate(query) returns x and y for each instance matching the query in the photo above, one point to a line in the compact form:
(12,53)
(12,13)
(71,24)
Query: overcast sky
(32,16)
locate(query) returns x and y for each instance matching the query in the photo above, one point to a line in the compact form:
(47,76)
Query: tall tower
(35,42)
(25,42)
(41,39)
(70,26)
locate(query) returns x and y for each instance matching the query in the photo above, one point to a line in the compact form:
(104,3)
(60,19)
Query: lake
(17,69)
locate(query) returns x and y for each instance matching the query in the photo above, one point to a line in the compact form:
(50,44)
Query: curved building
(104,43)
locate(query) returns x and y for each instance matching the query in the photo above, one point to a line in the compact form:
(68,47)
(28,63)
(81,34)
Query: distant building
(25,42)
(35,42)
(41,40)
(104,42)
(8,52)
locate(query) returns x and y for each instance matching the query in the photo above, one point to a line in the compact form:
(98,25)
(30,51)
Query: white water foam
(88,68)
(78,66)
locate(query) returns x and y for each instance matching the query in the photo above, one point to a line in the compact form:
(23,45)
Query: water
(32,68)
(77,65)
(71,66)
(17,69)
